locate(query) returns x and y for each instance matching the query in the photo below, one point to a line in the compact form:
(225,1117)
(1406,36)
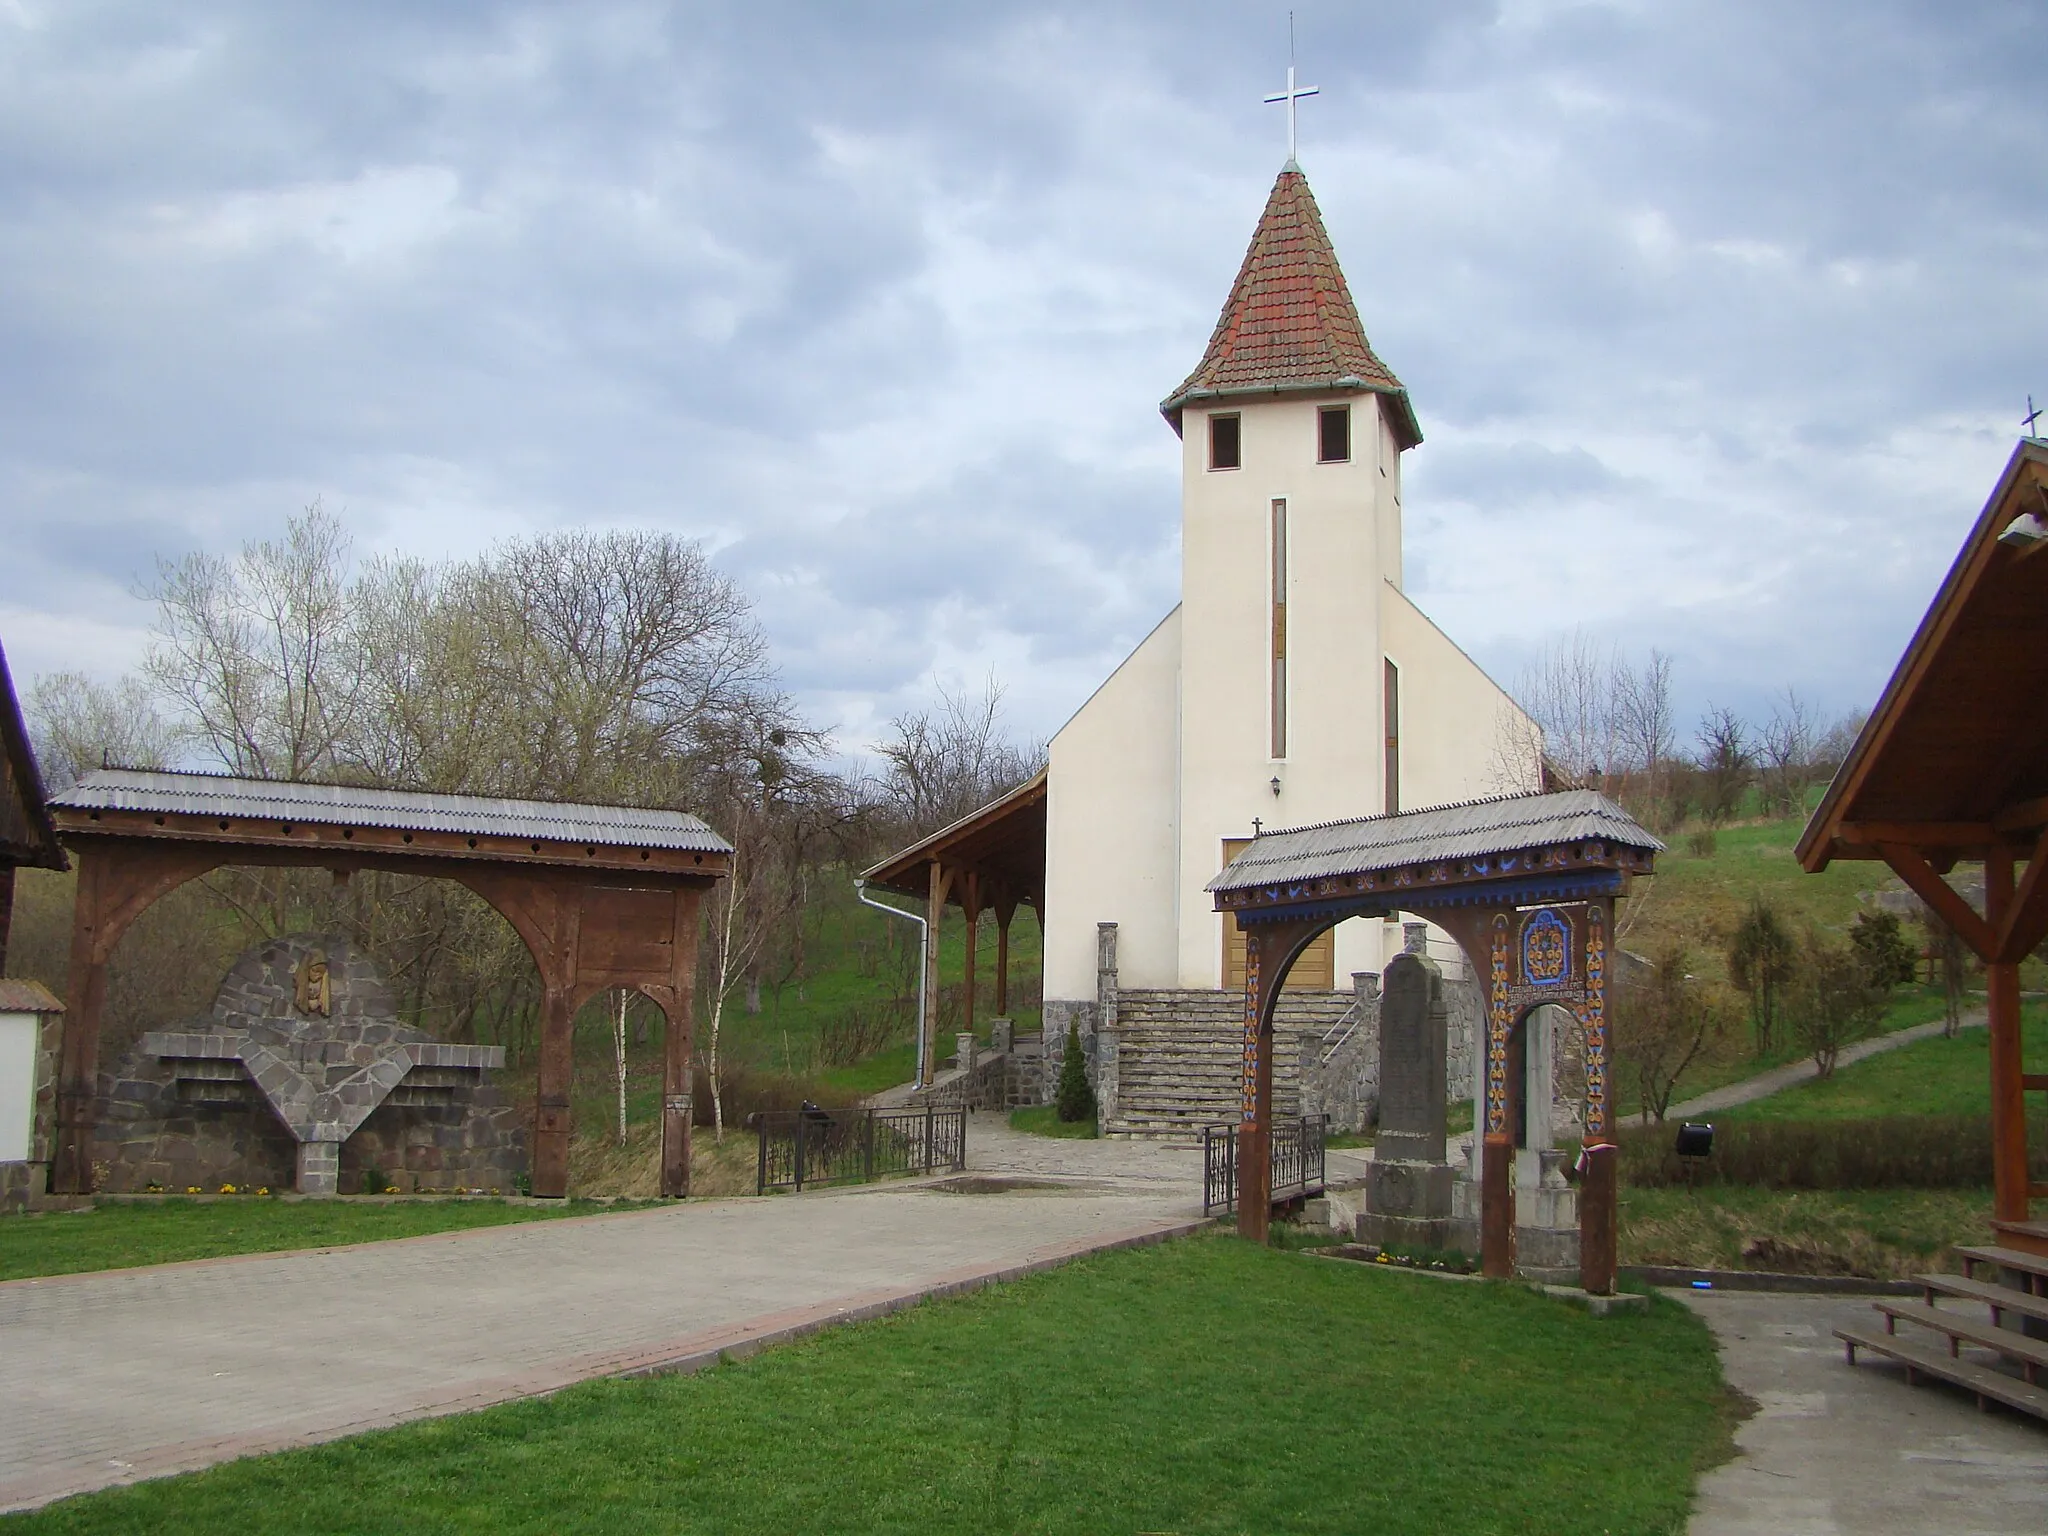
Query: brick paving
(107,1378)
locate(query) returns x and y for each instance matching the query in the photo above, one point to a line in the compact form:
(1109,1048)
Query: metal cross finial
(2032,419)
(1293,93)
(1258,827)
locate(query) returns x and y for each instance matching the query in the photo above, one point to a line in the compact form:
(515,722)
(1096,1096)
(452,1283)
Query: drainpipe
(860,889)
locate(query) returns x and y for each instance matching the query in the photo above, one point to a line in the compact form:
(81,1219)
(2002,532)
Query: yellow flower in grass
(227,1189)
(191,1189)
(264,1190)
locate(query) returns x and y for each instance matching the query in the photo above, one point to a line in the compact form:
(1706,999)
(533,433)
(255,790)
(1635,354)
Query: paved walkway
(108,1378)
(1764,1084)
(1840,1450)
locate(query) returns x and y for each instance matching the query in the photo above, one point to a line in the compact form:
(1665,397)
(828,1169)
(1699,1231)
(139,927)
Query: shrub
(1703,843)
(1662,1020)
(1880,941)
(1833,1000)
(1761,959)
(748,1092)
(1892,1152)
(1076,1099)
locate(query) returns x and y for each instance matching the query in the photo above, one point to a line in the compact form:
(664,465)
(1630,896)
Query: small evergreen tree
(1880,941)
(1761,959)
(1076,1098)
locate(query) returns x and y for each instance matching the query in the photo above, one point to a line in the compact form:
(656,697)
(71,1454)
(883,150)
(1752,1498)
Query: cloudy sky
(1719,317)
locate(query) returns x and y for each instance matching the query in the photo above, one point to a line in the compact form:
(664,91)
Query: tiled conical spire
(1290,323)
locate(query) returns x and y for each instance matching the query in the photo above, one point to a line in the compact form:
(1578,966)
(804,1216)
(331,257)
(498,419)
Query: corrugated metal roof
(343,805)
(20,995)
(1473,829)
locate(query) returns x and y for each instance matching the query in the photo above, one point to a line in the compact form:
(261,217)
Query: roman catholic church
(1295,683)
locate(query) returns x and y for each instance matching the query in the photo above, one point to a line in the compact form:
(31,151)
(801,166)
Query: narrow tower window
(1333,434)
(1223,442)
(1393,708)
(1279,628)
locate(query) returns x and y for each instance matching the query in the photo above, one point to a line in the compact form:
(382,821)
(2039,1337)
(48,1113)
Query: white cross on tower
(1291,95)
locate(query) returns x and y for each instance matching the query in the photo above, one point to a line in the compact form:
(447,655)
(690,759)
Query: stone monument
(302,1077)
(1408,1182)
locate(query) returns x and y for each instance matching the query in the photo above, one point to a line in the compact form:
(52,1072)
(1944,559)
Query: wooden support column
(1598,1197)
(2009,1200)
(1005,910)
(970,903)
(677,1045)
(551,1094)
(935,910)
(116,884)
(1270,950)
(6,911)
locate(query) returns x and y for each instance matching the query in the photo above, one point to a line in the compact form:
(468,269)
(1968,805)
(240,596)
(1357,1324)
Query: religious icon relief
(312,986)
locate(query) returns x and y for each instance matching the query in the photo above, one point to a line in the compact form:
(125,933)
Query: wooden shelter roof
(27,834)
(309,823)
(1954,759)
(1003,842)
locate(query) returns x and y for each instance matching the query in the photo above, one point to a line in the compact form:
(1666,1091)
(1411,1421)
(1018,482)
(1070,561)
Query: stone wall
(278,1089)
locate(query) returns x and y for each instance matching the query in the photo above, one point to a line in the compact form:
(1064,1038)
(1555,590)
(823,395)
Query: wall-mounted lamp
(1275,786)
(2023,532)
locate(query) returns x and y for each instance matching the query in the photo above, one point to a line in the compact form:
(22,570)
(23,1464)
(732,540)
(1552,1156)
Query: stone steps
(1180,1058)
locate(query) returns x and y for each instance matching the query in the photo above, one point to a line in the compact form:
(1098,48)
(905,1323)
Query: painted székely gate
(1526,885)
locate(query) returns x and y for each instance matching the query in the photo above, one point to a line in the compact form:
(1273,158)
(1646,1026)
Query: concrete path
(112,1377)
(1841,1450)
(1764,1084)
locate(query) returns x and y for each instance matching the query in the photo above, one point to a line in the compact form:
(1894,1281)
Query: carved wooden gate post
(1270,950)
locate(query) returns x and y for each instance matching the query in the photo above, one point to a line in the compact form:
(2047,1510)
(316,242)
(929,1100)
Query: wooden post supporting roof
(1952,767)
(992,856)
(27,835)
(602,897)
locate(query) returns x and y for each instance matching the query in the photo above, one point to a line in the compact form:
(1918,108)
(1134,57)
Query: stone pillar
(963,1050)
(1105,975)
(1415,939)
(1408,1184)
(1002,1034)
(1104,1055)
(319,1167)
(1365,986)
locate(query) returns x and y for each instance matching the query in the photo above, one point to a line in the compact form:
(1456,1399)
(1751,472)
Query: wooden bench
(2032,1268)
(2000,1298)
(1986,1384)
(2031,1356)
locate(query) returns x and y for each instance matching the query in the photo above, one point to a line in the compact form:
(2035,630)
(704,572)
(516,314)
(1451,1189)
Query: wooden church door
(1315,971)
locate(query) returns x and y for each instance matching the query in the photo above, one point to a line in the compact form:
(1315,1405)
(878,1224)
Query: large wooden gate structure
(602,896)
(1526,884)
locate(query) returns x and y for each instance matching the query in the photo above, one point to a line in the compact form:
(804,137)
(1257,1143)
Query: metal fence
(1296,1157)
(801,1147)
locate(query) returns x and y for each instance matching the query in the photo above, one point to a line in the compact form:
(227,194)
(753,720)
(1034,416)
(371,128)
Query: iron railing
(802,1147)
(1296,1161)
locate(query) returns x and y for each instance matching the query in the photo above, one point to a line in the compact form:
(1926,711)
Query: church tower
(1295,683)
(1292,432)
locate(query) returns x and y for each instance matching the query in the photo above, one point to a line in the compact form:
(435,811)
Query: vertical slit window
(1224,442)
(1279,641)
(1333,434)
(1393,709)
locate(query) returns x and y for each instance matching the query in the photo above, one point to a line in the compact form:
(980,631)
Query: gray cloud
(1693,299)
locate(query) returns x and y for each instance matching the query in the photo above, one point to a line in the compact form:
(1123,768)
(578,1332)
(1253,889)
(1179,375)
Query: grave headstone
(1408,1183)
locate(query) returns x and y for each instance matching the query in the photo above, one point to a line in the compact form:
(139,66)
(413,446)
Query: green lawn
(1929,1077)
(1201,1386)
(124,1236)
(1885,1234)
(1044,1120)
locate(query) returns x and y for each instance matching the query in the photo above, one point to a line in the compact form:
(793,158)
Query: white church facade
(1296,682)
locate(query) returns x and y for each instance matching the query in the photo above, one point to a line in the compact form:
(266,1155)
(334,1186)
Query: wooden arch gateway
(1526,884)
(602,896)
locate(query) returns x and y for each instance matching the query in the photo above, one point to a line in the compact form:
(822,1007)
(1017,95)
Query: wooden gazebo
(603,896)
(1952,767)
(992,859)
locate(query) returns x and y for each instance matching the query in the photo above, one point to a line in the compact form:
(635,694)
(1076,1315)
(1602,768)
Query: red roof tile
(1289,323)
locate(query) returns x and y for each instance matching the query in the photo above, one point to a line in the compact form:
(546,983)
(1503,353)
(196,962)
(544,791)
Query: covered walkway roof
(1002,844)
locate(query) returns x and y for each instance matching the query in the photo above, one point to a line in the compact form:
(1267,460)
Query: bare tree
(1570,693)
(260,653)
(947,760)
(1726,762)
(1646,725)
(1833,1000)
(1786,752)
(1661,1024)
(80,724)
